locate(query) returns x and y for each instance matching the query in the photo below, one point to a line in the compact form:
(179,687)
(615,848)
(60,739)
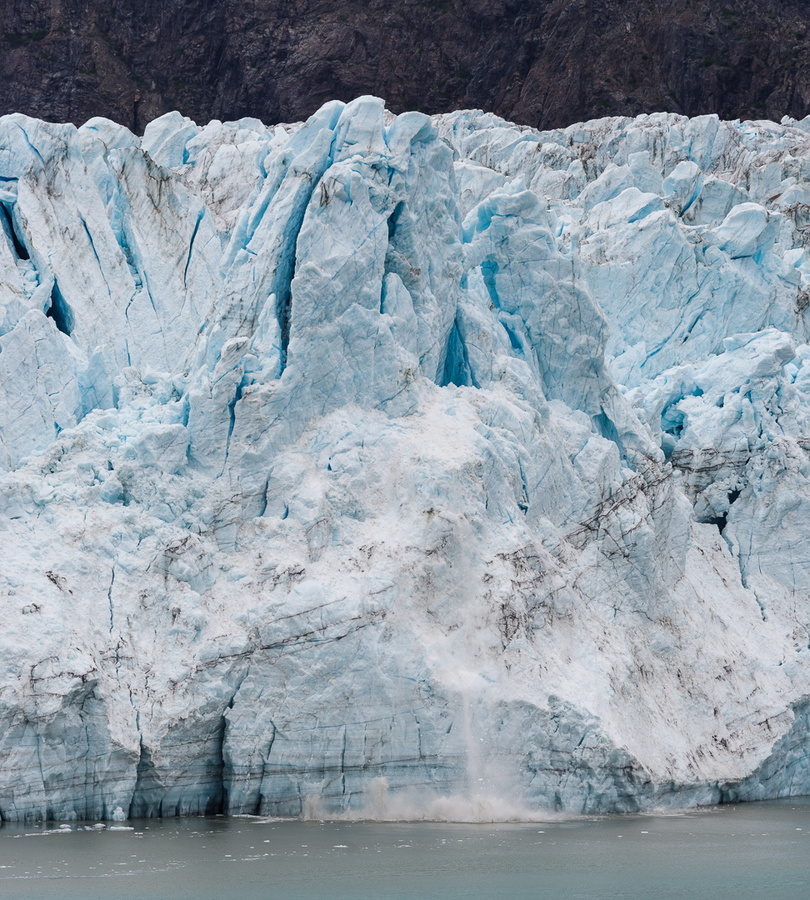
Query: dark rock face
(545,63)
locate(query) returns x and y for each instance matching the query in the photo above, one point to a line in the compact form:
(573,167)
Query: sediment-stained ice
(402,456)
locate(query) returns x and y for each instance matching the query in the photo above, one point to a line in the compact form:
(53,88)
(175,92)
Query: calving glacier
(431,455)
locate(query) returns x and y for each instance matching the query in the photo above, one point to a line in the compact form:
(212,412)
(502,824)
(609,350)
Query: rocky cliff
(545,63)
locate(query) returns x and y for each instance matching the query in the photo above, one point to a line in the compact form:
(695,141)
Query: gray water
(757,850)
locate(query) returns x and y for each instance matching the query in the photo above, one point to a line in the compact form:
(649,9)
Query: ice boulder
(740,233)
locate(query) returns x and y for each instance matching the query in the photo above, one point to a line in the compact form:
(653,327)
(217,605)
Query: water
(748,851)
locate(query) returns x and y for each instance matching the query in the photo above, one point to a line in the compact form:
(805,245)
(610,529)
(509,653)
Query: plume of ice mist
(414,805)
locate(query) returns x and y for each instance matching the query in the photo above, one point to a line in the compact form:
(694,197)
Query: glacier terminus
(422,456)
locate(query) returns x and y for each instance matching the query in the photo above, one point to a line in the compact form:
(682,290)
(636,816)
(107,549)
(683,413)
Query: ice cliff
(433,450)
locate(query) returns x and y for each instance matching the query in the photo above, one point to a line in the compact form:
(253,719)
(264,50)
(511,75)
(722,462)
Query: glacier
(435,456)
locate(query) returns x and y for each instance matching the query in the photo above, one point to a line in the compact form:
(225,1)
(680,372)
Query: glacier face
(434,450)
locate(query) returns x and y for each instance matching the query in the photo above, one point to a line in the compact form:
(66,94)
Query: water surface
(747,851)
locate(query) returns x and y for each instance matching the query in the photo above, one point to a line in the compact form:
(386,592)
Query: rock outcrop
(544,63)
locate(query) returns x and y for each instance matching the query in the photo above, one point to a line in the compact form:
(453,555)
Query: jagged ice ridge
(433,450)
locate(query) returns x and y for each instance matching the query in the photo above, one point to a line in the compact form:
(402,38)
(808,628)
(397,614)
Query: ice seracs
(439,451)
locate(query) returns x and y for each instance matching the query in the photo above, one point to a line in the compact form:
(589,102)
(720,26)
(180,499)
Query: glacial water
(747,851)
